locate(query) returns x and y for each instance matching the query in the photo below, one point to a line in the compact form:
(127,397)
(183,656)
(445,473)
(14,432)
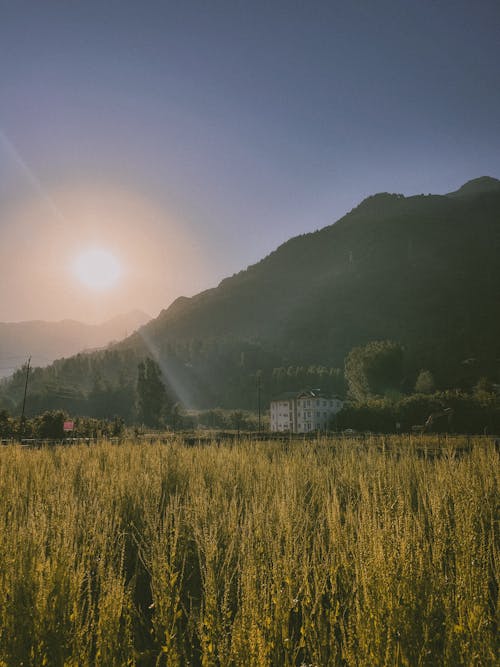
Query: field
(329,552)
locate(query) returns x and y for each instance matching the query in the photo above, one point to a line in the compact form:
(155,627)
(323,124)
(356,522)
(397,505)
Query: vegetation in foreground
(320,553)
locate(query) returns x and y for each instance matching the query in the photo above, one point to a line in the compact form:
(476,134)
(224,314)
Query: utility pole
(258,400)
(24,397)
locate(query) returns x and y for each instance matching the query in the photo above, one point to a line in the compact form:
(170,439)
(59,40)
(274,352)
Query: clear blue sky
(247,122)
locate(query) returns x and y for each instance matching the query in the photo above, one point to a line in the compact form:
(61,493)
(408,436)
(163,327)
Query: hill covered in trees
(420,271)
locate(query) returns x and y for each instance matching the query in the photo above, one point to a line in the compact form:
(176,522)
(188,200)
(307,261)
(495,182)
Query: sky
(189,139)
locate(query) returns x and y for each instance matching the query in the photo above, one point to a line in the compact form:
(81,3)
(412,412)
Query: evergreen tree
(152,400)
(425,383)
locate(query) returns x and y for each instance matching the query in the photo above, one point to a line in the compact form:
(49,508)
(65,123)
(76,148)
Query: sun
(97,269)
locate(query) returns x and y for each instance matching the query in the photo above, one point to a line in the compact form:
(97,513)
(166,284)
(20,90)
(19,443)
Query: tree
(118,427)
(213,419)
(5,424)
(483,388)
(374,369)
(152,399)
(425,383)
(51,424)
(237,420)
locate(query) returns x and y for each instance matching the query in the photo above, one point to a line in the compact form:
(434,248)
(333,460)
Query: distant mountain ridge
(47,341)
(342,252)
(422,270)
(477,186)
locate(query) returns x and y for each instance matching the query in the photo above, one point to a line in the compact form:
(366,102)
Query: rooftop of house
(305,393)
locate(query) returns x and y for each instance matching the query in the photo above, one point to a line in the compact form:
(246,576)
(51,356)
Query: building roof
(304,393)
(285,396)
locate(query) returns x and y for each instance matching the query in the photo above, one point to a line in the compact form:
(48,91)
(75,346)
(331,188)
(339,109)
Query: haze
(190,139)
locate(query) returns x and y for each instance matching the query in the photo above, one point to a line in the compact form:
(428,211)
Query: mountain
(477,186)
(423,271)
(46,341)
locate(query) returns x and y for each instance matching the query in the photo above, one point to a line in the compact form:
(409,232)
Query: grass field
(333,552)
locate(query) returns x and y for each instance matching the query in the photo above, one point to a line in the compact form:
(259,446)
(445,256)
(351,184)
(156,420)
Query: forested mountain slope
(420,270)
(423,270)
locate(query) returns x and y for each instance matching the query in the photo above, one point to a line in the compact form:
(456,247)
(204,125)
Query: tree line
(383,384)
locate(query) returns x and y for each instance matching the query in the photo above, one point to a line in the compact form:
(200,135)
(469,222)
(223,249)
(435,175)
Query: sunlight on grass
(318,553)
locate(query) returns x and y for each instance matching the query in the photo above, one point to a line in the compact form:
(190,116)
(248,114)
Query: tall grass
(319,553)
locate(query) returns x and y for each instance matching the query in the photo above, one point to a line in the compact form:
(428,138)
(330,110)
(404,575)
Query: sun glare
(97,268)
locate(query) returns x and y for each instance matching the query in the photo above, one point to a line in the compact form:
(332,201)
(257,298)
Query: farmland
(328,552)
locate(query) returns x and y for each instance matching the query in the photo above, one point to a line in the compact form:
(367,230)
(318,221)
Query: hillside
(377,272)
(420,270)
(47,341)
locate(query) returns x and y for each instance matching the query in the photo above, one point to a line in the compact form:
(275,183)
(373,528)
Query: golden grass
(317,553)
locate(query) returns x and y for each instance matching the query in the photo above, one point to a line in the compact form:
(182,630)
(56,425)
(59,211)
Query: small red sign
(68,426)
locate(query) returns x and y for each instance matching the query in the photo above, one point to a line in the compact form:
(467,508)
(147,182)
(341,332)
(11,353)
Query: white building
(304,411)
